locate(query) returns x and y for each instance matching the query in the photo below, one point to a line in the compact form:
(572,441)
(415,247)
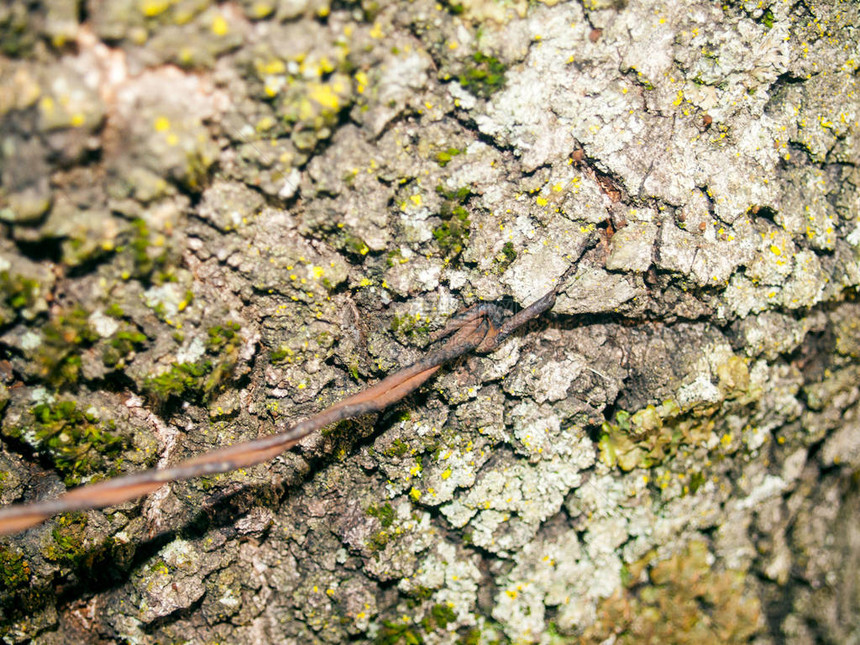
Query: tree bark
(222,217)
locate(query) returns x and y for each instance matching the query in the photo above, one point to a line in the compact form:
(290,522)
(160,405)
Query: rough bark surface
(220,215)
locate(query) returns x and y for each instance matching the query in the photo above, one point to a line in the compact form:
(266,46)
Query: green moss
(767,18)
(144,263)
(280,354)
(696,481)
(201,378)
(355,246)
(58,357)
(506,256)
(394,258)
(452,234)
(472,637)
(178,381)
(438,617)
(395,632)
(68,535)
(121,345)
(384,513)
(458,195)
(14,569)
(444,157)
(398,448)
(409,326)
(224,337)
(18,292)
(115,311)
(75,442)
(485,76)
(378,540)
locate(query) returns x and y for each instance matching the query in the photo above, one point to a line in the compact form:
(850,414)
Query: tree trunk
(219,217)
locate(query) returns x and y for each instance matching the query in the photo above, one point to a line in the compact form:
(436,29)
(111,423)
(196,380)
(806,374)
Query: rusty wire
(481,328)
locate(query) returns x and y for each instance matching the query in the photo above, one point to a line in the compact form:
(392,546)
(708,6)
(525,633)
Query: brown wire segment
(482,328)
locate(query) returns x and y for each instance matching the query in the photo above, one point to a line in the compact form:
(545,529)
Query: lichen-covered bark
(219,215)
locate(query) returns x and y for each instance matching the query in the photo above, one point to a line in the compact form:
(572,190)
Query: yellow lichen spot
(152,8)
(301,386)
(558,188)
(365,282)
(329,592)
(446,473)
(361,80)
(775,249)
(274,66)
(317,272)
(325,96)
(376,31)
(322,12)
(726,439)
(512,593)
(262,9)
(316,589)
(78,119)
(415,470)
(172,139)
(361,615)
(162,124)
(541,201)
(415,199)
(415,494)
(220,26)
(679,98)
(453,44)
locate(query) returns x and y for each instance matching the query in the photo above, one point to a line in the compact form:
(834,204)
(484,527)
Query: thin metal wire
(482,328)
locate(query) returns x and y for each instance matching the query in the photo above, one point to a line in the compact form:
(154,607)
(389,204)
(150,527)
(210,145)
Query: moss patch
(505,257)
(67,546)
(200,378)
(444,157)
(18,292)
(383,512)
(409,326)
(58,357)
(452,234)
(14,569)
(484,76)
(121,346)
(76,443)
